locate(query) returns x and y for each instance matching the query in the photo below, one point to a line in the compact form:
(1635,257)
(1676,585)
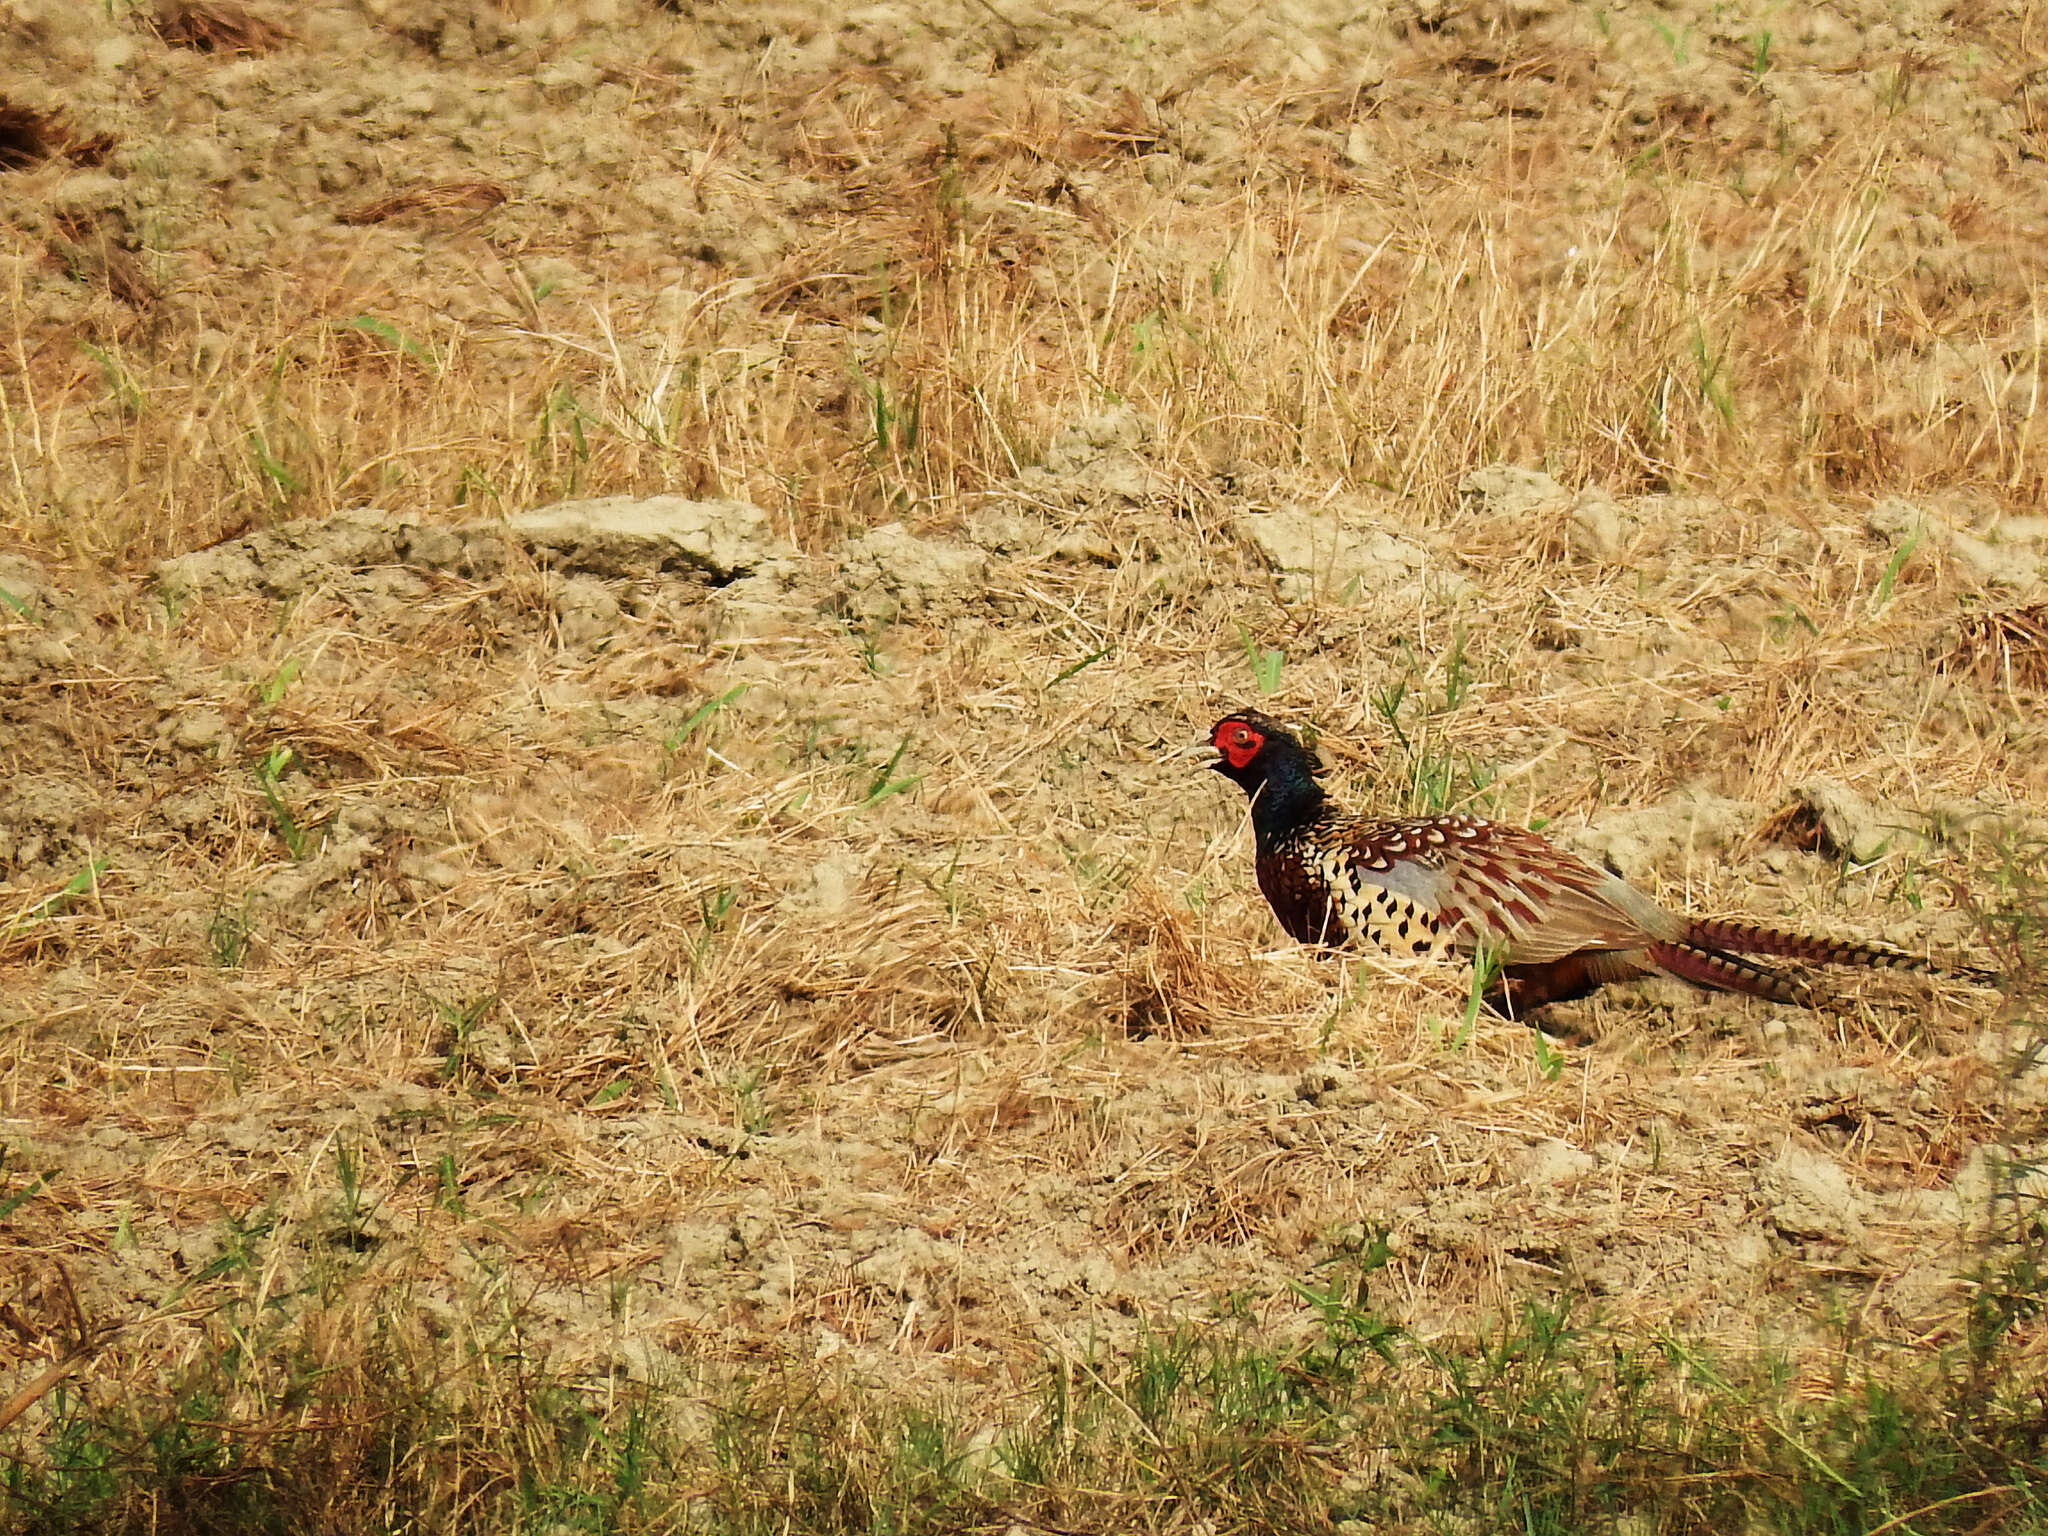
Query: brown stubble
(1051,1013)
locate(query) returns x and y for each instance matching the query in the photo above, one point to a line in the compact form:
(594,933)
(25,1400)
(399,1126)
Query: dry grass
(1667,298)
(31,135)
(441,197)
(637,982)
(2009,645)
(213,26)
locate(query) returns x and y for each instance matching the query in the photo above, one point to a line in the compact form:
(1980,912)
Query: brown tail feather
(1707,967)
(1737,938)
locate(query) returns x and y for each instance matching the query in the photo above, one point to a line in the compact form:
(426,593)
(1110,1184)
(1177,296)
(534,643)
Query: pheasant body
(1556,926)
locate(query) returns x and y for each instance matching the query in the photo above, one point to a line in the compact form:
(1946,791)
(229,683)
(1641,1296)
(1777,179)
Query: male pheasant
(1556,926)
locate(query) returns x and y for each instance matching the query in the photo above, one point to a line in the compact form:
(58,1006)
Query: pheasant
(1556,926)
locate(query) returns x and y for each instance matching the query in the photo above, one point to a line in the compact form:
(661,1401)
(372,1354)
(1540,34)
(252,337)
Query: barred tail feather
(1728,936)
(1706,966)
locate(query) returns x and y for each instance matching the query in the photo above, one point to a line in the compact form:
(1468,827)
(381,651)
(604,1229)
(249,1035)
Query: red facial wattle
(1238,743)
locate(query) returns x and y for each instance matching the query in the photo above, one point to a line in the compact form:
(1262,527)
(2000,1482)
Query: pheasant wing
(1506,888)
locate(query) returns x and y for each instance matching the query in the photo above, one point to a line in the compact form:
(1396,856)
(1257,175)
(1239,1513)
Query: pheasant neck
(1288,801)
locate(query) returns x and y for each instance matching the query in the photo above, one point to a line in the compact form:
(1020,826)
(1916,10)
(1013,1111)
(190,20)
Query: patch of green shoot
(14,1200)
(228,937)
(700,717)
(1486,970)
(1677,39)
(1711,369)
(283,483)
(1790,616)
(714,909)
(1265,662)
(298,840)
(471,481)
(120,383)
(462,1020)
(448,1178)
(279,682)
(385,331)
(352,1206)
(886,782)
(1888,579)
(85,880)
(896,423)
(560,438)
(1457,671)
(750,1102)
(1076,668)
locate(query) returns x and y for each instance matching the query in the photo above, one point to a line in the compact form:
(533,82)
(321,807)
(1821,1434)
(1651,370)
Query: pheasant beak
(1201,746)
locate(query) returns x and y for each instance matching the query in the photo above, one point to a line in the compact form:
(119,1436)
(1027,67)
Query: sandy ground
(758,911)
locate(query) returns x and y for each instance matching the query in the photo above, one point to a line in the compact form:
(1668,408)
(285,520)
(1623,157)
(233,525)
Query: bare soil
(564,751)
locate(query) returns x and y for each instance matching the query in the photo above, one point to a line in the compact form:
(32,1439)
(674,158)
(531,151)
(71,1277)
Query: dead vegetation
(814,969)
(216,26)
(31,135)
(2007,645)
(1611,296)
(442,197)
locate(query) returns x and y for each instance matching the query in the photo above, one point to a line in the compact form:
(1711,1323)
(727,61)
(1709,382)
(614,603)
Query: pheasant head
(1270,763)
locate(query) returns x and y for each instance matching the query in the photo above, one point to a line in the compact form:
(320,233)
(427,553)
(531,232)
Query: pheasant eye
(1239,742)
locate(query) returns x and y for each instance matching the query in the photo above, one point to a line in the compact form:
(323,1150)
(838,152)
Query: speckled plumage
(1557,926)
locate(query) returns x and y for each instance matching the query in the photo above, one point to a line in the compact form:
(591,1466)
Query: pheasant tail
(1727,970)
(1736,938)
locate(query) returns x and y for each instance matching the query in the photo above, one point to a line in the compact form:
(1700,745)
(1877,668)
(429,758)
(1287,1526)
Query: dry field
(484,967)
